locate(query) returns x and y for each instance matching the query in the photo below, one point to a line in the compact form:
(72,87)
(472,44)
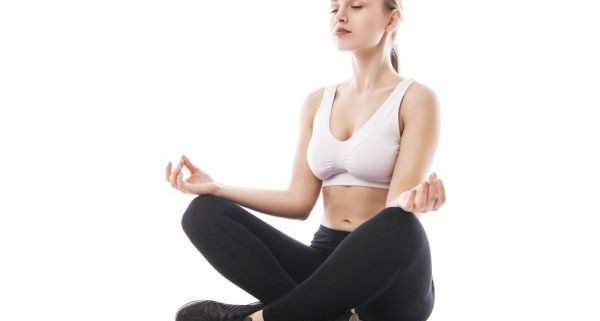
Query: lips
(341,32)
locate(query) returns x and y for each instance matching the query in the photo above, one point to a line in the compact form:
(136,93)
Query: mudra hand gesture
(198,183)
(430,195)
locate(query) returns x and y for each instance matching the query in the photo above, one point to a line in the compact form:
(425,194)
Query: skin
(347,207)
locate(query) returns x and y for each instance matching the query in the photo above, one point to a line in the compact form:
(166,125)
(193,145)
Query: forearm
(396,203)
(281,203)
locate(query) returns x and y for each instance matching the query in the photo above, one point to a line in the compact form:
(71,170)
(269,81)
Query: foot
(256,316)
(209,310)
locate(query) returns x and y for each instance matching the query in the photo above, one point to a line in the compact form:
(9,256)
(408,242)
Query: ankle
(256,316)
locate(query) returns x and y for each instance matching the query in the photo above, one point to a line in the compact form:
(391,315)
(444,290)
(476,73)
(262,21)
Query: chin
(344,46)
(345,49)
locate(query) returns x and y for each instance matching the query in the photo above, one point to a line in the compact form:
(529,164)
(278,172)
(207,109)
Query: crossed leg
(383,268)
(249,252)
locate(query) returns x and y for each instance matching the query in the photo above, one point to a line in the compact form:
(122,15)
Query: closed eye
(355,7)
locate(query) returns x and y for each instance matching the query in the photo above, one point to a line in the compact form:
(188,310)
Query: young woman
(367,143)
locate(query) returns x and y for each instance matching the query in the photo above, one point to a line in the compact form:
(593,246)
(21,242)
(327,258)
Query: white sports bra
(367,158)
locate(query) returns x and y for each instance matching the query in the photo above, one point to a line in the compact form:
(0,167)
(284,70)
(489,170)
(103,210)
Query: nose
(340,15)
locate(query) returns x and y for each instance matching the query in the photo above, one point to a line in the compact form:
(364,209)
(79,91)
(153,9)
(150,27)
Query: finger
(172,177)
(410,204)
(441,199)
(180,183)
(438,200)
(421,197)
(175,173)
(188,164)
(431,178)
(168,170)
(431,195)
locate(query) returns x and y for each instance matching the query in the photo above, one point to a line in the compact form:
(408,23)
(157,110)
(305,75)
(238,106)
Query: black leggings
(382,269)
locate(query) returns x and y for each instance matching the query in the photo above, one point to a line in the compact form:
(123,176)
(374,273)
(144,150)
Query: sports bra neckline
(360,129)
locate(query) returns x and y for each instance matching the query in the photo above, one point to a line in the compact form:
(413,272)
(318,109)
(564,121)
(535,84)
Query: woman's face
(365,19)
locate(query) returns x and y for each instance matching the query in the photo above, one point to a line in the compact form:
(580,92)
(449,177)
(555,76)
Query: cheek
(369,29)
(374,25)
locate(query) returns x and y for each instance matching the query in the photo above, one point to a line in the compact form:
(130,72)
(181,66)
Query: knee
(201,207)
(398,214)
(403,221)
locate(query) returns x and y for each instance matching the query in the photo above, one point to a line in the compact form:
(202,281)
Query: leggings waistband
(327,239)
(325,229)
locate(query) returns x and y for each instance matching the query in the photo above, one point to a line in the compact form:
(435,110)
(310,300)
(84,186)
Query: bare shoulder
(419,100)
(304,184)
(316,94)
(311,103)
(419,94)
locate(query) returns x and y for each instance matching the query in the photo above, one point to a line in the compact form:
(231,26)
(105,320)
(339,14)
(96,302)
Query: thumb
(188,164)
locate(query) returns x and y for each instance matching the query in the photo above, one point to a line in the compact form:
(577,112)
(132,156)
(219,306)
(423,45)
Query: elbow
(303,211)
(303,206)
(304,214)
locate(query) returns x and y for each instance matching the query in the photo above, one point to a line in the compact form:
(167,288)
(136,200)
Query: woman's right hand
(199,182)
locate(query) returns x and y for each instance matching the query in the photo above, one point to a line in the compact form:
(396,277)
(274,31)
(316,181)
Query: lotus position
(367,144)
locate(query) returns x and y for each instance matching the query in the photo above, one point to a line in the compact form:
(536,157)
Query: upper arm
(304,184)
(418,142)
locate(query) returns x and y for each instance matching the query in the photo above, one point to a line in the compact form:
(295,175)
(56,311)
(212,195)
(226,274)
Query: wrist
(216,188)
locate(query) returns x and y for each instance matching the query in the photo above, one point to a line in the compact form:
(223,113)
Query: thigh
(399,303)
(297,258)
(410,296)
(375,265)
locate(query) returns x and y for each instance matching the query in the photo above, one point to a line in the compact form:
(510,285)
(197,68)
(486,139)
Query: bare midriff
(347,207)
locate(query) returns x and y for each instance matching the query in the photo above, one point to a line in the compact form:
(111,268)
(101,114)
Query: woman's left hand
(427,196)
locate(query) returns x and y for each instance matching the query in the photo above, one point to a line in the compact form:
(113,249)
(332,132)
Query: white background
(97,96)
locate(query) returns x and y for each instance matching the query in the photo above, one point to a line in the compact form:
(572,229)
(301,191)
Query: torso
(347,207)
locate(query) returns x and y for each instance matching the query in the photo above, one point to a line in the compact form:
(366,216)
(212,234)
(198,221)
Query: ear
(395,20)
